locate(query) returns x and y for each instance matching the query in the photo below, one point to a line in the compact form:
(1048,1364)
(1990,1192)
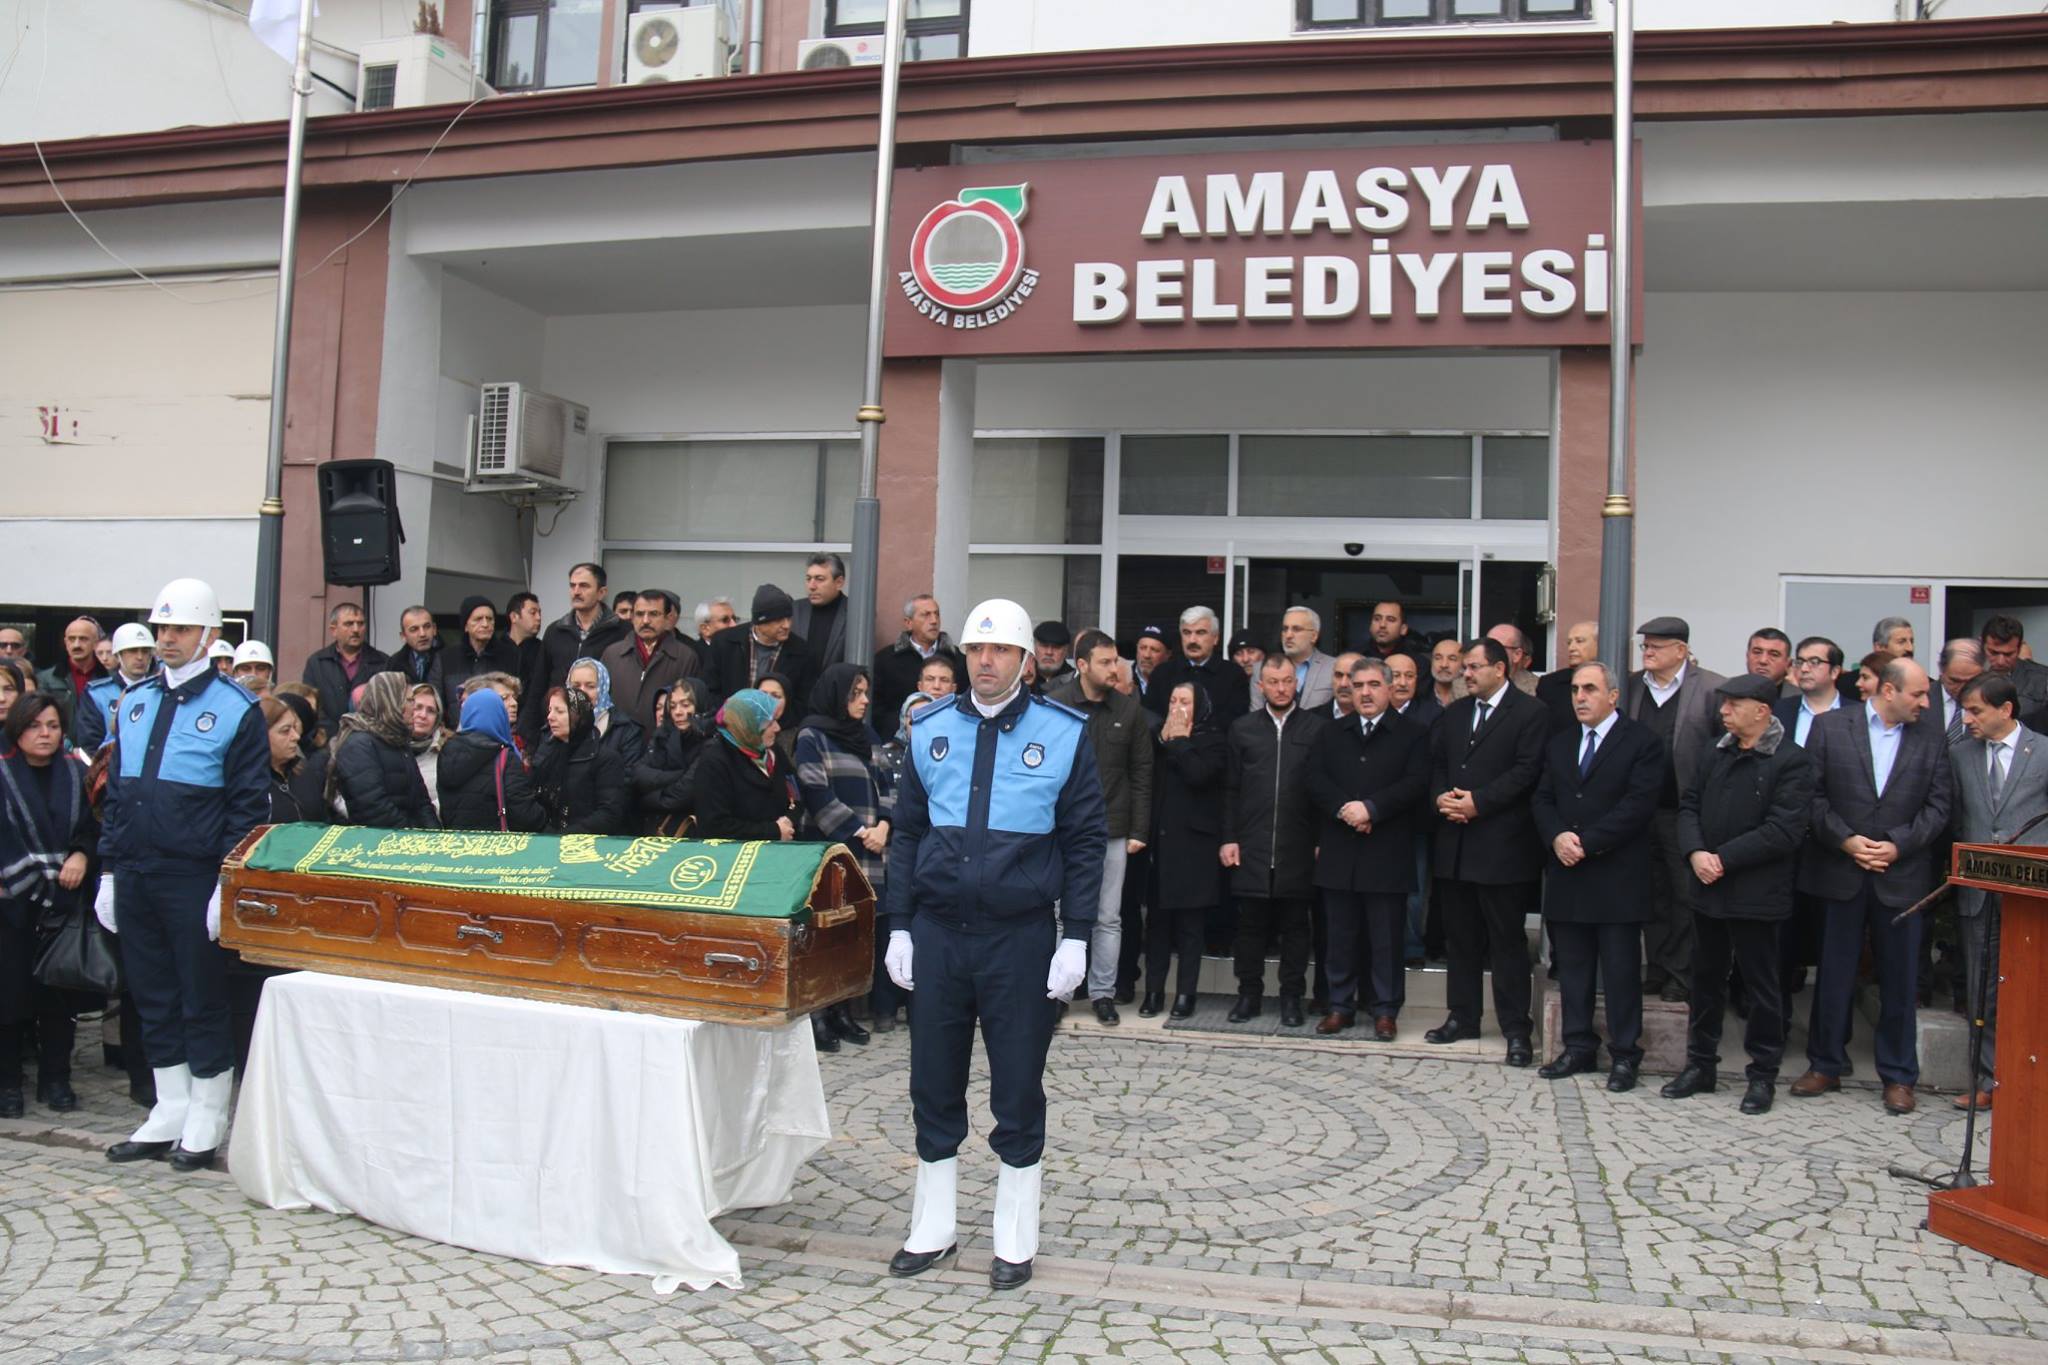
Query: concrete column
(1582,417)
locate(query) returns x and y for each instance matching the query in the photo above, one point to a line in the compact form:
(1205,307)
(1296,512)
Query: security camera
(1353,548)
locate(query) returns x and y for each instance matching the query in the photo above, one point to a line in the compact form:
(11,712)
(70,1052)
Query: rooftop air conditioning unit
(400,73)
(827,54)
(677,45)
(523,435)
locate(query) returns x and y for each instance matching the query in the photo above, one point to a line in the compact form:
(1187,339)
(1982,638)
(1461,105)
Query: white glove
(103,904)
(896,958)
(213,915)
(1069,965)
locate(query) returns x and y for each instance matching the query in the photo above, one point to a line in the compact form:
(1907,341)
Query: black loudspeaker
(359,529)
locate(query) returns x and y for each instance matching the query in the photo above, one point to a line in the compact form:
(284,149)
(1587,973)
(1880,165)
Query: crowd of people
(1698,837)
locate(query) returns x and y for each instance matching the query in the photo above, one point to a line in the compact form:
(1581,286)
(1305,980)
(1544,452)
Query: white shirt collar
(1877,724)
(1492,703)
(1602,730)
(991,709)
(1834,705)
(175,678)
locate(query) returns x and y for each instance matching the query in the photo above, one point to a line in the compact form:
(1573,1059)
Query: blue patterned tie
(1586,759)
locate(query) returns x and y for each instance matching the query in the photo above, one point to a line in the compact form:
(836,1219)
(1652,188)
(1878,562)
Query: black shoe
(1004,1274)
(1183,1007)
(1674,992)
(1520,1053)
(1290,1012)
(1155,1002)
(841,1022)
(1566,1064)
(1126,994)
(1247,1007)
(904,1264)
(822,1034)
(182,1160)
(1451,1031)
(1105,1012)
(1653,980)
(10,1103)
(55,1093)
(1759,1097)
(144,1095)
(884,1023)
(1693,1080)
(138,1151)
(1621,1077)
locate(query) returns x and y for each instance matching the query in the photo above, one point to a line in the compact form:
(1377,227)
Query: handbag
(498,774)
(79,958)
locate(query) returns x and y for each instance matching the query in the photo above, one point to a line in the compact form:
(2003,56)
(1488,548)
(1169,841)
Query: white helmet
(219,649)
(253,652)
(134,635)
(186,602)
(998,621)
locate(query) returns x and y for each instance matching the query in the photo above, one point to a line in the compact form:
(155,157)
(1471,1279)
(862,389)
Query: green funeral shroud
(768,880)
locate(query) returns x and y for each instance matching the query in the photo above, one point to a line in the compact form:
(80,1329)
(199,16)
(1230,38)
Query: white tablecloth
(551,1133)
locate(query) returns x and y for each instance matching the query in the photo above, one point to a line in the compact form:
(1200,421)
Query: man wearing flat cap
(1052,645)
(1675,697)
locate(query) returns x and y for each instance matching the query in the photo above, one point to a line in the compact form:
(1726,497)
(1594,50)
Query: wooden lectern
(2008,1218)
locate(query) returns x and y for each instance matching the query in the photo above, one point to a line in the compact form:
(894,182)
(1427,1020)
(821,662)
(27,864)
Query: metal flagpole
(1617,528)
(270,522)
(867,509)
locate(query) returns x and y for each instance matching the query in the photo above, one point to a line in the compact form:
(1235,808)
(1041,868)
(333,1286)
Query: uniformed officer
(999,815)
(189,778)
(134,660)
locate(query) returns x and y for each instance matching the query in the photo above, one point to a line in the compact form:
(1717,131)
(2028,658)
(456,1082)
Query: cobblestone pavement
(1207,1200)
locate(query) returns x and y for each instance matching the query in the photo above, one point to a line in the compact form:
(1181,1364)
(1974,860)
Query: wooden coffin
(757,933)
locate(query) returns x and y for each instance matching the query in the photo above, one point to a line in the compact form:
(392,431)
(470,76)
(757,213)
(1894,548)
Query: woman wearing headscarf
(890,757)
(743,787)
(580,782)
(777,685)
(423,703)
(48,835)
(663,784)
(1187,831)
(483,781)
(615,729)
(848,804)
(372,774)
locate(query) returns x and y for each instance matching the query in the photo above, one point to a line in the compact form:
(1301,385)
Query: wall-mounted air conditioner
(826,54)
(677,45)
(399,73)
(523,435)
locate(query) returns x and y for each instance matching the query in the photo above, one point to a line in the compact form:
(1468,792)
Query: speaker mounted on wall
(359,527)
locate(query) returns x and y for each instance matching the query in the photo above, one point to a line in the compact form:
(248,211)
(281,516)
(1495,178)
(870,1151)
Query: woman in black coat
(482,778)
(662,783)
(372,770)
(744,791)
(283,724)
(578,778)
(1187,830)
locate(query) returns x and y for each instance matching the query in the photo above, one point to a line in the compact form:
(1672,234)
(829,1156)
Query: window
(730,492)
(1355,476)
(1174,476)
(1514,478)
(380,86)
(1325,14)
(1034,499)
(932,29)
(545,44)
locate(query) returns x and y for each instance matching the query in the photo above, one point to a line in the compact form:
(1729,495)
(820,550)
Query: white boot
(935,1208)
(173,1098)
(1016,1229)
(206,1122)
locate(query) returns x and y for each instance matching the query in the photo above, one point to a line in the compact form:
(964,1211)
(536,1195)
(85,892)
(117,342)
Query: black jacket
(583,786)
(530,666)
(1229,687)
(324,673)
(664,783)
(1266,810)
(460,663)
(1123,755)
(1499,846)
(1750,807)
(1611,811)
(1912,813)
(468,778)
(429,668)
(284,801)
(564,642)
(895,676)
(730,670)
(381,785)
(1554,690)
(1187,816)
(1389,771)
(735,799)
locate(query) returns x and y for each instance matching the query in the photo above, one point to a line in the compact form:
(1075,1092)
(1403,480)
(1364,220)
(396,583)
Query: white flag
(276,25)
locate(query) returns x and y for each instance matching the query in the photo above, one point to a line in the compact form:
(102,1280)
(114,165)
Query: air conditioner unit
(523,435)
(826,54)
(399,73)
(677,45)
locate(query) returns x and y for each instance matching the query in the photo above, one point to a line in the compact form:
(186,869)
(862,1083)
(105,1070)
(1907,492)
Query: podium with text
(2008,1218)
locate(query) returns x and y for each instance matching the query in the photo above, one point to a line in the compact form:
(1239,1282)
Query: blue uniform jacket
(190,775)
(996,819)
(89,731)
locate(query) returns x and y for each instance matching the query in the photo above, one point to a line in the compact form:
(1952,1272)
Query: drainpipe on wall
(1617,525)
(479,39)
(754,26)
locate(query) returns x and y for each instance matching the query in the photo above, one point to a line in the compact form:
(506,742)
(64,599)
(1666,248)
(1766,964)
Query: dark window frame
(956,24)
(1440,16)
(502,15)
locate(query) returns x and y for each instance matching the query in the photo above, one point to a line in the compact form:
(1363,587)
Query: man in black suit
(1594,807)
(1368,778)
(1415,701)
(1486,756)
(1882,797)
(820,619)
(1554,689)
(744,654)
(1202,663)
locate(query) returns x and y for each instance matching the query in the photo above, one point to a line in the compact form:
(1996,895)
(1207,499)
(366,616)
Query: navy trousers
(994,974)
(1896,948)
(1582,952)
(178,976)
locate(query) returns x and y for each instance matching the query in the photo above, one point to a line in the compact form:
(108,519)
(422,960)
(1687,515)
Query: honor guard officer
(134,660)
(999,815)
(189,778)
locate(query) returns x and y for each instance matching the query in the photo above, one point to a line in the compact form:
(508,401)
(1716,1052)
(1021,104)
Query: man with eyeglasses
(13,644)
(1817,674)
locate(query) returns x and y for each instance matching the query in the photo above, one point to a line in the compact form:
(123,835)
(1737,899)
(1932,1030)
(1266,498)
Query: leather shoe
(1336,1021)
(1105,1012)
(1247,1007)
(1673,992)
(1004,1274)
(1451,1031)
(182,1160)
(884,1023)
(822,1034)
(10,1103)
(1621,1077)
(138,1151)
(1759,1097)
(1692,1080)
(1155,1001)
(1962,1101)
(1290,1012)
(1566,1064)
(1183,1007)
(1384,1029)
(1813,1083)
(56,1095)
(841,1022)
(904,1264)
(1520,1053)
(1898,1099)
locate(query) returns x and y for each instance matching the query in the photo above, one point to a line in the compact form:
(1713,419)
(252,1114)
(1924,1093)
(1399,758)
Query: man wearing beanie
(742,655)
(480,650)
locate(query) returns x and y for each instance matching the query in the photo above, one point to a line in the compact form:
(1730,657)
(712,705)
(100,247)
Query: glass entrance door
(1434,596)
